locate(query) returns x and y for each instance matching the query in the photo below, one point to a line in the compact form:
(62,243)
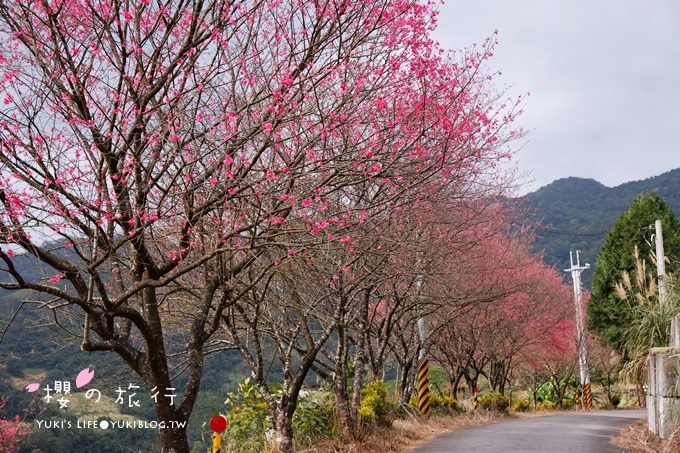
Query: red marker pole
(218,424)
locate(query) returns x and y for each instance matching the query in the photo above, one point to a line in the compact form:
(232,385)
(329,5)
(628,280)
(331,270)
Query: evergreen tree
(608,316)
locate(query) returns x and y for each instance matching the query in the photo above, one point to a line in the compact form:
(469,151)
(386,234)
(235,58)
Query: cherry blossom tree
(420,278)
(529,319)
(12,434)
(520,302)
(12,431)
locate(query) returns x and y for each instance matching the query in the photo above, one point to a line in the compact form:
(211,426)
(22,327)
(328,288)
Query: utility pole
(661,275)
(581,336)
(662,393)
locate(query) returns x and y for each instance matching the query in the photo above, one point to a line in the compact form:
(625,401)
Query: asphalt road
(576,432)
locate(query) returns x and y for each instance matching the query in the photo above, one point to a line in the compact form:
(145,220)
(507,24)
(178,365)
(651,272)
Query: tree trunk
(495,375)
(174,439)
(405,387)
(453,387)
(471,380)
(173,435)
(340,382)
(608,389)
(359,364)
(344,415)
(356,393)
(284,431)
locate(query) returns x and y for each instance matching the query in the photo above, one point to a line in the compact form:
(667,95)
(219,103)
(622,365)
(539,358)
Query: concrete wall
(663,391)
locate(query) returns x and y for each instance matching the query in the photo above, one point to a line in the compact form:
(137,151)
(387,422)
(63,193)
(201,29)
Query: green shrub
(546,392)
(444,404)
(373,402)
(616,399)
(413,402)
(494,401)
(521,405)
(313,417)
(248,417)
(546,406)
(394,410)
(569,402)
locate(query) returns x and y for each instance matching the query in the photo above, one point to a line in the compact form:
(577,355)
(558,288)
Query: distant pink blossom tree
(12,431)
(515,306)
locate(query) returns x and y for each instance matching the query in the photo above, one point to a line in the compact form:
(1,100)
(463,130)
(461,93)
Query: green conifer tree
(608,315)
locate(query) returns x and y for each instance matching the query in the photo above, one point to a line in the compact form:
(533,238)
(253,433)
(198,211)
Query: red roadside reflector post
(218,424)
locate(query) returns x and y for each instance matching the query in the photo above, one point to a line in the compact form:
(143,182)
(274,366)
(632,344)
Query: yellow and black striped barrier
(424,388)
(587,397)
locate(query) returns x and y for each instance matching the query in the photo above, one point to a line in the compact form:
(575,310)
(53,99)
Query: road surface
(576,432)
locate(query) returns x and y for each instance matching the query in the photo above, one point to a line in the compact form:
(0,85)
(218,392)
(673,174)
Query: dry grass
(403,434)
(673,443)
(637,439)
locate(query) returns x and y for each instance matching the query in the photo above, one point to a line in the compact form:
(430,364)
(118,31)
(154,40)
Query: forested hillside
(576,213)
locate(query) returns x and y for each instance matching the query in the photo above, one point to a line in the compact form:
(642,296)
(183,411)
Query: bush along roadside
(316,422)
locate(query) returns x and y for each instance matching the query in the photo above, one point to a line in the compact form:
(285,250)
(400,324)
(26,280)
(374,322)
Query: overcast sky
(604,79)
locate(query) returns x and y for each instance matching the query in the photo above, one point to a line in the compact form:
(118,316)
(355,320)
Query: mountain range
(576,213)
